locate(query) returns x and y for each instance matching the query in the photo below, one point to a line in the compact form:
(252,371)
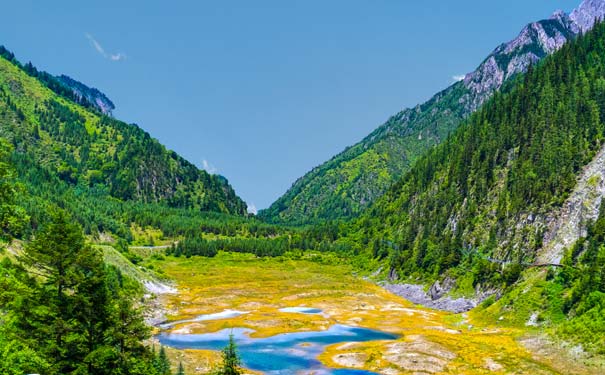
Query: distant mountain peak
(534,42)
(89,94)
(585,15)
(558,14)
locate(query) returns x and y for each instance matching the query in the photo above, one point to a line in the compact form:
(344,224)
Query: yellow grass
(431,341)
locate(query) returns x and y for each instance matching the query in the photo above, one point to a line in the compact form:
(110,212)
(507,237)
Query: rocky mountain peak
(585,15)
(534,42)
(565,20)
(90,95)
(557,14)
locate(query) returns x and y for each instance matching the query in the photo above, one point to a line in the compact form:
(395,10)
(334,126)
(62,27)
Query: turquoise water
(226,314)
(301,310)
(287,353)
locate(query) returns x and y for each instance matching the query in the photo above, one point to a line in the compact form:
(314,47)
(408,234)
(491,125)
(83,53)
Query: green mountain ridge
(86,148)
(76,189)
(96,98)
(476,208)
(485,173)
(351,181)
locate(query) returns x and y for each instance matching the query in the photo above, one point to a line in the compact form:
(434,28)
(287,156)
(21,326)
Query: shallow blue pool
(225,314)
(288,353)
(301,310)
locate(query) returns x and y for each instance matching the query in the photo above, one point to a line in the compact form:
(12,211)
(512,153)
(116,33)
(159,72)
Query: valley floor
(431,341)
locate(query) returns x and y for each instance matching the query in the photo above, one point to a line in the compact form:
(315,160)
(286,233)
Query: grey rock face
(483,81)
(416,294)
(438,290)
(87,94)
(536,41)
(581,207)
(585,15)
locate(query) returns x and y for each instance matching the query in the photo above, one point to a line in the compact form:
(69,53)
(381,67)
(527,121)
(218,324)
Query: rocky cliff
(88,94)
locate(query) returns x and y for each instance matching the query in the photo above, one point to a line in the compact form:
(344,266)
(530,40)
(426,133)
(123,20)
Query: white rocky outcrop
(585,15)
(581,207)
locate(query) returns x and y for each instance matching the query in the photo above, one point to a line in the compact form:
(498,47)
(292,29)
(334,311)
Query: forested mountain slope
(62,309)
(89,150)
(90,94)
(477,207)
(488,187)
(69,176)
(352,180)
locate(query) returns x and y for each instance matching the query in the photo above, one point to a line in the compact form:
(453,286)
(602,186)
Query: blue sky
(262,91)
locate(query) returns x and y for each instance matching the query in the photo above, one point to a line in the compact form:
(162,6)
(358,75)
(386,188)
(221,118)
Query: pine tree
(128,328)
(81,316)
(181,370)
(163,363)
(231,360)
(13,218)
(60,254)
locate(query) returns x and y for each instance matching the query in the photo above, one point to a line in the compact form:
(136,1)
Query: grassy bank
(431,341)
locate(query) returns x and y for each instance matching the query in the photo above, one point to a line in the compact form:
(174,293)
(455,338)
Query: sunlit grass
(261,286)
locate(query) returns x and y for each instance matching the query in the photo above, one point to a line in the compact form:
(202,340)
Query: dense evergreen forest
(62,309)
(471,208)
(518,155)
(70,176)
(318,238)
(350,182)
(87,149)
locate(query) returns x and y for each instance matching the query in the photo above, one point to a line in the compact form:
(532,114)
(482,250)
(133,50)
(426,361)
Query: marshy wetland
(301,316)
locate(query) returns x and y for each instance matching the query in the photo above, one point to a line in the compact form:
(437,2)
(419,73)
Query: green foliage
(583,280)
(467,205)
(75,172)
(98,212)
(16,358)
(209,248)
(488,302)
(231,364)
(349,182)
(86,149)
(16,355)
(63,311)
(319,238)
(54,84)
(13,218)
(161,363)
(181,369)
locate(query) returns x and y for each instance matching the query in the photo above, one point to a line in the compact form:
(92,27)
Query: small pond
(287,353)
(226,314)
(301,310)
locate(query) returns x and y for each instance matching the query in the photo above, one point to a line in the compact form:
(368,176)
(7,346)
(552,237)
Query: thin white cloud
(208,167)
(95,44)
(252,209)
(457,78)
(99,48)
(117,57)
